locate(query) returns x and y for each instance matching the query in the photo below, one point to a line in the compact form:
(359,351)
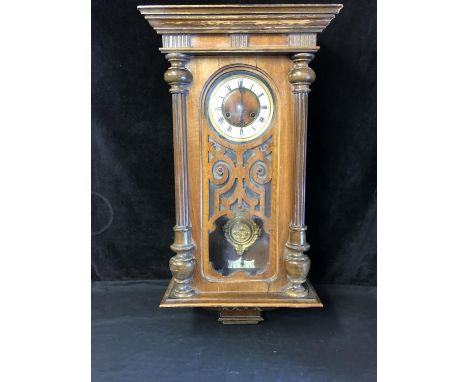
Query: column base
(296,291)
(182,291)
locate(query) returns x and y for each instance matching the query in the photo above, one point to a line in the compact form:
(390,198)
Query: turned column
(183,264)
(298,264)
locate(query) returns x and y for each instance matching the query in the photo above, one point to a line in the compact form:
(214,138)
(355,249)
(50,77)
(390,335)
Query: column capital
(178,76)
(301,75)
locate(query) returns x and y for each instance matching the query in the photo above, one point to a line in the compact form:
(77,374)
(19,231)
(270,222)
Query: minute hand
(241,122)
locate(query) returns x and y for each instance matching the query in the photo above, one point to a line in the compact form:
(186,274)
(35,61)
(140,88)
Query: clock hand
(241,122)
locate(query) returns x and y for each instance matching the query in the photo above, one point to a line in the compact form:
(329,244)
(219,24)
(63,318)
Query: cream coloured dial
(240,107)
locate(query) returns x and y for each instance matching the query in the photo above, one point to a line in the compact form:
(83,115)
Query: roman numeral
(228,87)
(260,95)
(261,119)
(229,129)
(241,132)
(218,108)
(264,107)
(221,120)
(240,83)
(254,129)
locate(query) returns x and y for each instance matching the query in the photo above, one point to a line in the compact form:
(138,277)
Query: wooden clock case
(276,43)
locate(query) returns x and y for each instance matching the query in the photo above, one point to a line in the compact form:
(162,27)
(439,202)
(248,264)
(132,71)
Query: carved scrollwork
(259,172)
(220,172)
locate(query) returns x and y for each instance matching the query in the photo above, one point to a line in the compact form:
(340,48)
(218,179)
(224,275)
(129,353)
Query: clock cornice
(239,18)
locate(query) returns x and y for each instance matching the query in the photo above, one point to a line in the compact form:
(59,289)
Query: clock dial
(240,106)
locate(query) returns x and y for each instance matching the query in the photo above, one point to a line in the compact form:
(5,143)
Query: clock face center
(241,107)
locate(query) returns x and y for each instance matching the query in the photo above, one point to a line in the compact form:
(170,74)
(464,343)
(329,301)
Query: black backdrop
(132,169)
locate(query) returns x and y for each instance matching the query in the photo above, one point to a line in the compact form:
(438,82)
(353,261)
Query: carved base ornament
(239,77)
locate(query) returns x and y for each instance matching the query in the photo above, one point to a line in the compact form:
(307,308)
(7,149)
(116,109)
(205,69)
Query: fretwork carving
(239,180)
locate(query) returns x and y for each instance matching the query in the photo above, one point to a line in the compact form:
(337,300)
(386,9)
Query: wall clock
(239,79)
